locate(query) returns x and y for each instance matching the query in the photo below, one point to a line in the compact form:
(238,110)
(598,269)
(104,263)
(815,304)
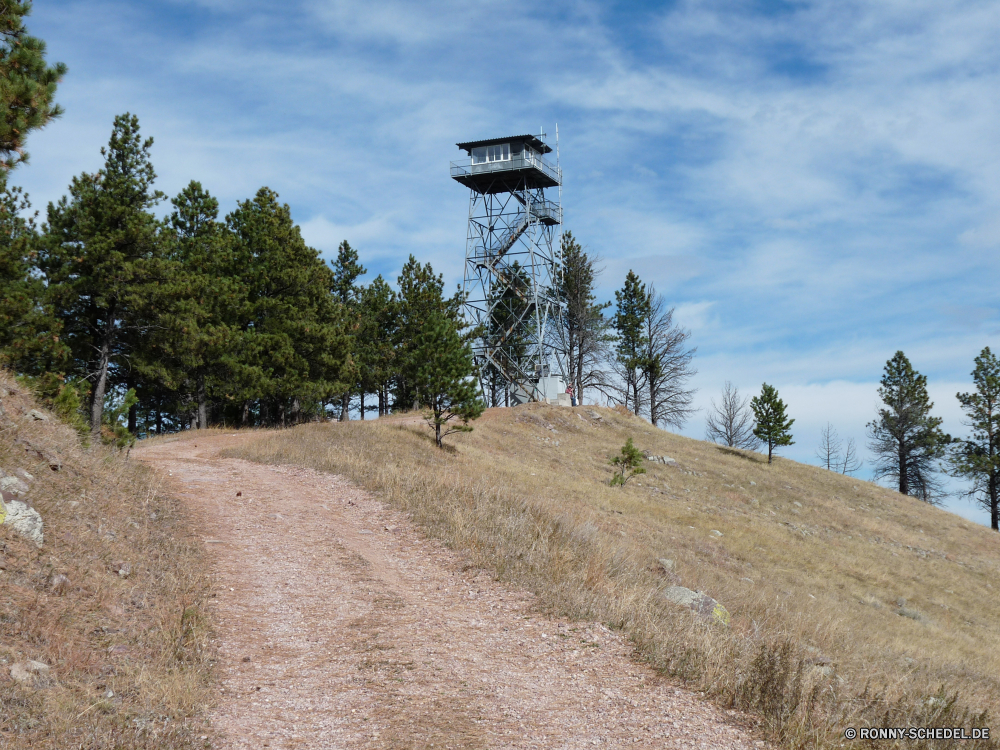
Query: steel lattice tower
(512,265)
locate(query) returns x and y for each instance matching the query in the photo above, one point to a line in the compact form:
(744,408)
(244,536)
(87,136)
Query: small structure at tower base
(549,390)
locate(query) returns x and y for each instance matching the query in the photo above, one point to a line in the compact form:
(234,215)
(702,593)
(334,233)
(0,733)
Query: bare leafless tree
(667,367)
(621,384)
(730,422)
(828,452)
(851,462)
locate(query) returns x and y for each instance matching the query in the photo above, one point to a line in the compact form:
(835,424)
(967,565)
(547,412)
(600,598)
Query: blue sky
(814,185)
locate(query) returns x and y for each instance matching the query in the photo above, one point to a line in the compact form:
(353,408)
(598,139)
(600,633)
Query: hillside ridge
(102,640)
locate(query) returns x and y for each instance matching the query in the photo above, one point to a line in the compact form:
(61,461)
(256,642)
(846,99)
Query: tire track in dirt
(339,626)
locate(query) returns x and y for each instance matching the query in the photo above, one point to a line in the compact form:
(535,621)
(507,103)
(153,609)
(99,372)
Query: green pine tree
(373,345)
(906,440)
(293,350)
(628,463)
(772,425)
(632,309)
(31,343)
(116,418)
(27,84)
(421,296)
(347,292)
(102,260)
(444,376)
(977,458)
(510,326)
(346,271)
(188,352)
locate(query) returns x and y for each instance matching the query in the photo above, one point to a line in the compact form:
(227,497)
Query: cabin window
(499,152)
(484,154)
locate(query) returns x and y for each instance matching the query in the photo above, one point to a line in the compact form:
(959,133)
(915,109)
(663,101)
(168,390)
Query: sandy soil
(340,626)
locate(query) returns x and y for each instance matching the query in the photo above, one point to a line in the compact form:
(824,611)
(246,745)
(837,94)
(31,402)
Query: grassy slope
(104,632)
(811,565)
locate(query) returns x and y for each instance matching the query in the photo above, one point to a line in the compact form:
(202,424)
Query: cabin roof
(532,140)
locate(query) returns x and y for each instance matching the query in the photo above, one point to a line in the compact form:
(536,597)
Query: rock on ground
(702,604)
(31,673)
(665,460)
(24,520)
(13,484)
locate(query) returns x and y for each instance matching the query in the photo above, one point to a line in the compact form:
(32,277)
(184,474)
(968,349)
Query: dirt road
(341,627)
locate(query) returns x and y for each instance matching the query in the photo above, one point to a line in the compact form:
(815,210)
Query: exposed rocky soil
(340,626)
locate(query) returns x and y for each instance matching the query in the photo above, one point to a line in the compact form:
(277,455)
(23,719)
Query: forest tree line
(635,355)
(123,320)
(193,319)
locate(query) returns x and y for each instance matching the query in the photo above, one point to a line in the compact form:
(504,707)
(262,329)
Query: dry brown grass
(813,566)
(141,637)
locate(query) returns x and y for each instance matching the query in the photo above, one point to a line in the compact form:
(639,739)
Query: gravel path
(340,626)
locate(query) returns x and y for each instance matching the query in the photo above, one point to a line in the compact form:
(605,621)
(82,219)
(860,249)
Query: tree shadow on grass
(426,433)
(745,455)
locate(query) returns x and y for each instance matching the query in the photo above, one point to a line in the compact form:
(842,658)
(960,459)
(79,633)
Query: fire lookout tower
(512,265)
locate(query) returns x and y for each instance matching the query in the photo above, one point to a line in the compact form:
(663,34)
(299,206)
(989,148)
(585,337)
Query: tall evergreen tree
(190,350)
(102,259)
(632,309)
(346,271)
(977,458)
(772,424)
(584,332)
(906,440)
(346,290)
(374,350)
(511,324)
(30,333)
(444,376)
(421,296)
(27,84)
(292,343)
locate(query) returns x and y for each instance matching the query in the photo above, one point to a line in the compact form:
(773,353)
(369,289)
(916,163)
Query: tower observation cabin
(512,267)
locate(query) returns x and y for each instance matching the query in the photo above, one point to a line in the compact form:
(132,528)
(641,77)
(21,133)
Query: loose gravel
(341,626)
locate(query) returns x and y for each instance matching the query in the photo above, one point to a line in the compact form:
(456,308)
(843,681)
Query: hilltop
(849,603)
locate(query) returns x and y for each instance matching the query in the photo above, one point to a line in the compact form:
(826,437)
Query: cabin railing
(465,167)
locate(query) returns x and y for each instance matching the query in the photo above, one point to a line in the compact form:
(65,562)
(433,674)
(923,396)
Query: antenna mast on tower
(512,266)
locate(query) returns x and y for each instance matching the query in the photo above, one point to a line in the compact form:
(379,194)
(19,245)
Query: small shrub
(627,464)
(63,396)
(67,406)
(115,429)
